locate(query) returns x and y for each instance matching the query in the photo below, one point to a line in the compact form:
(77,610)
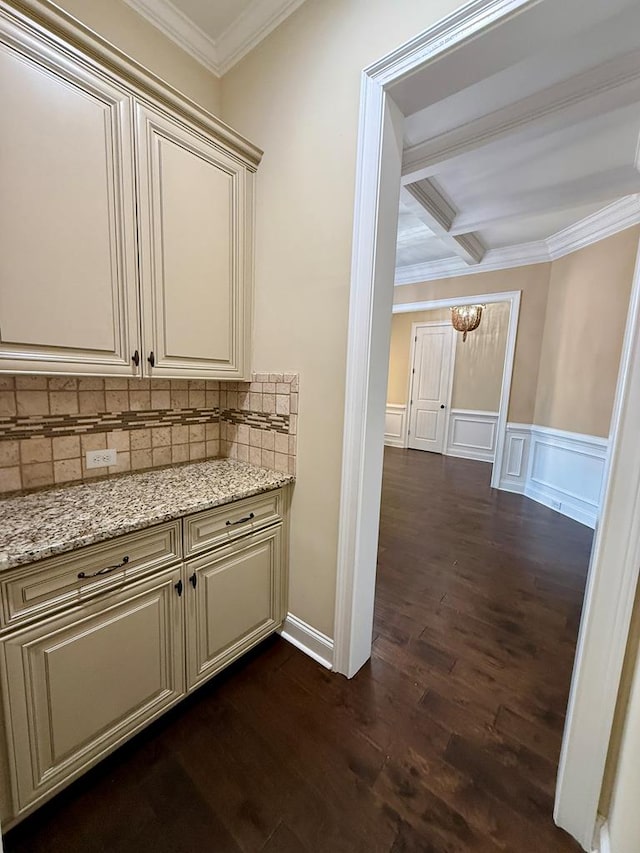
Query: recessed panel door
(193,238)
(81,683)
(430,384)
(68,264)
(234,600)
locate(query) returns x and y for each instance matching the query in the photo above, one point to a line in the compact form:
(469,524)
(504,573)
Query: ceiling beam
(602,187)
(427,203)
(607,86)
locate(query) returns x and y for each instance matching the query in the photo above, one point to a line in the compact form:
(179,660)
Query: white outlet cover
(101,458)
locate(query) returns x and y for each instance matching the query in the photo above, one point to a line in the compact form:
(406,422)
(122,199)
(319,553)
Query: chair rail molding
(562,470)
(395,425)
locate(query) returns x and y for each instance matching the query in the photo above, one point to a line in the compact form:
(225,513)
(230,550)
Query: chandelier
(466,318)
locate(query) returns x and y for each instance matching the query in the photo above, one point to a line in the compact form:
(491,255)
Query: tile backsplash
(47,424)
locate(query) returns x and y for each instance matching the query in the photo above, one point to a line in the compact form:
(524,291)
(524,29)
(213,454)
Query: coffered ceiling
(532,159)
(218,33)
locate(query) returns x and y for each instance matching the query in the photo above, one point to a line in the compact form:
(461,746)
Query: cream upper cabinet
(126,217)
(194,219)
(68,292)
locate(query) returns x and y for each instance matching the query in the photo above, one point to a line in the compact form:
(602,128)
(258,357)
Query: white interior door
(430,387)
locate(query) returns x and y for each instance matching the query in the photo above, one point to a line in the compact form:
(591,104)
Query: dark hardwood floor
(446,741)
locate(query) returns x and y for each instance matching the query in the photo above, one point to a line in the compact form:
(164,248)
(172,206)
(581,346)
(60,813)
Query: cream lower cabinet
(234,599)
(82,672)
(81,683)
(126,216)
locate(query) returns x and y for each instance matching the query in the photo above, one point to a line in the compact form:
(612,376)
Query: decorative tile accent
(47,424)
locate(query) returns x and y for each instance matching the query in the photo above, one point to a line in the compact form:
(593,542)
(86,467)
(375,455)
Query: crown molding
(259,19)
(603,223)
(180,29)
(494,259)
(217,55)
(606,222)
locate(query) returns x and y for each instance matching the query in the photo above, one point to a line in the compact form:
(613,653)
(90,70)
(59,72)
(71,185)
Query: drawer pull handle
(241,520)
(178,587)
(104,571)
(194,580)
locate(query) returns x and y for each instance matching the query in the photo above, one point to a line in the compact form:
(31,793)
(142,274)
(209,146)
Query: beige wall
(297,96)
(586,314)
(533,281)
(479,361)
(135,36)
(479,365)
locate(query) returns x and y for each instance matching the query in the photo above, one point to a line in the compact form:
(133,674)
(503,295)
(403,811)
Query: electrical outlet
(101,458)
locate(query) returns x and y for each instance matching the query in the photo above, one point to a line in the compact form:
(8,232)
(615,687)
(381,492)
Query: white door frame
(513,298)
(616,556)
(452,359)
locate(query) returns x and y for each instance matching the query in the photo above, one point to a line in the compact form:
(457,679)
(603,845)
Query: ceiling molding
(603,223)
(181,30)
(603,187)
(258,20)
(426,201)
(606,86)
(622,214)
(255,23)
(494,259)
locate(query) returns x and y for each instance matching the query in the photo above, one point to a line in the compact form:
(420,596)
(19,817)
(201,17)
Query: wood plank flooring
(447,741)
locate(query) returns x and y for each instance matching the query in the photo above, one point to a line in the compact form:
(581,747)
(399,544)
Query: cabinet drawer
(67,579)
(223,524)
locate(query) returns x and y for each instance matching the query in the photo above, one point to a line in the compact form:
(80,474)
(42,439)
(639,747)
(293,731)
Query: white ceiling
(218,33)
(500,169)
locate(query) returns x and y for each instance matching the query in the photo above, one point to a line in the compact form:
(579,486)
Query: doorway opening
(472,49)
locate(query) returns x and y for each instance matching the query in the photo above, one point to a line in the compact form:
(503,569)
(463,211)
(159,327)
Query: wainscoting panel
(516,458)
(395,425)
(472,435)
(562,470)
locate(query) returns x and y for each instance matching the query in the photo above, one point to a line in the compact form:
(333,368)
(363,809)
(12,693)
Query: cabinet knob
(442,405)
(194,580)
(151,359)
(135,358)
(178,587)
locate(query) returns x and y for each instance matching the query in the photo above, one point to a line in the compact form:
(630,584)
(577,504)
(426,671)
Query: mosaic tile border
(54,425)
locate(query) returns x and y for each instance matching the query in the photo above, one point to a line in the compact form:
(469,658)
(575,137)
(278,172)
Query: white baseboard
(562,470)
(603,842)
(472,434)
(395,425)
(313,643)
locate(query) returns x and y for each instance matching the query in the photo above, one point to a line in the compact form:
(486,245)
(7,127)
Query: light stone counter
(41,524)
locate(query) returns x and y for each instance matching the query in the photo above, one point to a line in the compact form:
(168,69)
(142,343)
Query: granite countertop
(54,521)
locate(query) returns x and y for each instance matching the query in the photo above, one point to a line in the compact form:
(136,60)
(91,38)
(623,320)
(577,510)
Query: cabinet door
(78,685)
(68,265)
(234,598)
(195,249)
